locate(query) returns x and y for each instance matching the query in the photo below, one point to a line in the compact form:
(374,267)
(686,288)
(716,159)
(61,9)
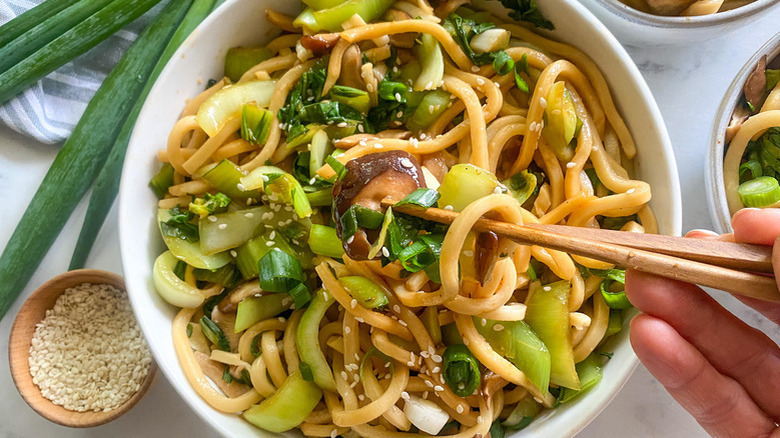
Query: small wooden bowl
(32,312)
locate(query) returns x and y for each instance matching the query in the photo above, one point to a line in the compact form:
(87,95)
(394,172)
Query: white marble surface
(688,83)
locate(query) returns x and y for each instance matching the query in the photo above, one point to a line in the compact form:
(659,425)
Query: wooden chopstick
(690,260)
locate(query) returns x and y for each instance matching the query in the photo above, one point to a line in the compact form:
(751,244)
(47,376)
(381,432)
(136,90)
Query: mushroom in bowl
(743,166)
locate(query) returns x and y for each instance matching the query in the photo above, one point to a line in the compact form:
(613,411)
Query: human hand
(722,371)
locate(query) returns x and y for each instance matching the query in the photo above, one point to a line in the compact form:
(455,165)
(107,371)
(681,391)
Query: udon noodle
(471,332)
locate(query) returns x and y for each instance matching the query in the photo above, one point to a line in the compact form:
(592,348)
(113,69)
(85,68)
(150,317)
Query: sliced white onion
(425,414)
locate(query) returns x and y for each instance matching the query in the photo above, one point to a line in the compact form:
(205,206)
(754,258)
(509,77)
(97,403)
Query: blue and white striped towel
(49,110)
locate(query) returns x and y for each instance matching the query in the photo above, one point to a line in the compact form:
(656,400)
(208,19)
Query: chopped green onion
(503,63)
(213,333)
(278,271)
(522,64)
(336,166)
(460,370)
(450,334)
(255,123)
(162,180)
(430,319)
(365,291)
(772,78)
(522,185)
(615,299)
(749,170)
(389,90)
(759,192)
(189,330)
(431,106)
(422,197)
(522,85)
(358,216)
(421,253)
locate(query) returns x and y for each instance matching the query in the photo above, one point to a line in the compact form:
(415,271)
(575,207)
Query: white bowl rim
(635,16)
(621,375)
(716,191)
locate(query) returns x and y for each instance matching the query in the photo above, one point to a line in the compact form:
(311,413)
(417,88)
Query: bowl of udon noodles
(665,22)
(278,291)
(742,162)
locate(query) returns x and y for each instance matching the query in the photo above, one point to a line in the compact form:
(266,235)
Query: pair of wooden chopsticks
(735,268)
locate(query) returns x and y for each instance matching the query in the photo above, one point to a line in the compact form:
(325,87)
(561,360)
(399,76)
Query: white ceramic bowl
(241,22)
(716,189)
(637,28)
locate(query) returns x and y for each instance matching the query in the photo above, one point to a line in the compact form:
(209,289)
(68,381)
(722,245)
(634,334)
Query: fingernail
(701,233)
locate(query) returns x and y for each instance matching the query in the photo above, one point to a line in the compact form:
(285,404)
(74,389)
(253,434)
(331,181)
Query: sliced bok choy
(254,309)
(228,230)
(228,102)
(190,252)
(562,121)
(308,340)
(330,19)
(464,184)
(287,407)
(170,287)
(432,62)
(548,316)
(239,60)
(226,177)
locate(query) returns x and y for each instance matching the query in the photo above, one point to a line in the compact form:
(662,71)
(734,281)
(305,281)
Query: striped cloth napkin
(50,109)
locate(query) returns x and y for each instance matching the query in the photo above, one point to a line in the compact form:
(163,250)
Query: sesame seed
(212,218)
(468,253)
(342,125)
(436,358)
(435,370)
(630,190)
(410,363)
(430,108)
(361,397)
(264,178)
(543,103)
(233,253)
(272,235)
(532,126)
(474,68)
(498,327)
(398,97)
(449,207)
(465,342)
(459,409)
(312,181)
(385,252)
(547,288)
(480,420)
(353,303)
(269,243)
(361,320)
(222,226)
(570,165)
(438,388)
(347,330)
(405,395)
(241,187)
(281,319)
(483,322)
(429,384)
(344,375)
(249,215)
(396,308)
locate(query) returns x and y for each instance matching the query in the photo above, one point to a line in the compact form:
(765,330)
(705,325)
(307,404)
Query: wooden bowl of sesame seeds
(33,312)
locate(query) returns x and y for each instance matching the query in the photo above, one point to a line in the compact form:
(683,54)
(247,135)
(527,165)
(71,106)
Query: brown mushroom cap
(320,43)
(755,85)
(370,179)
